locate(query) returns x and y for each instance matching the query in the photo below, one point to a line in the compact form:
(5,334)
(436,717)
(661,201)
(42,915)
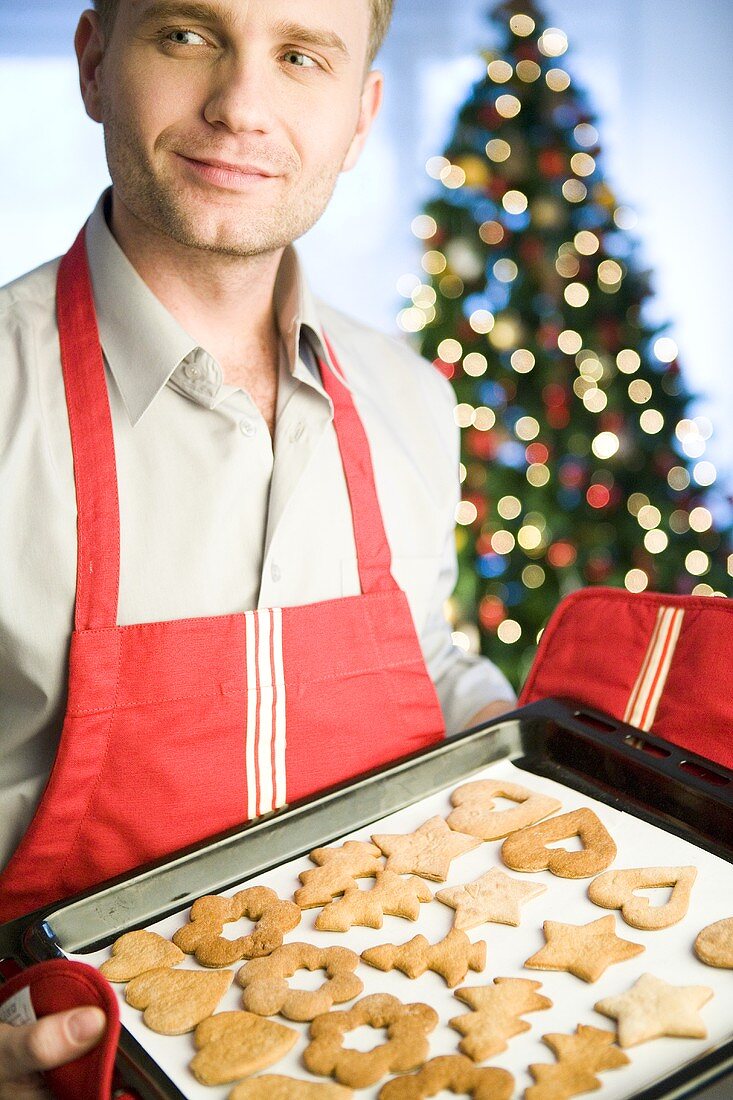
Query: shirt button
(297,431)
(275,571)
(247,428)
(192,371)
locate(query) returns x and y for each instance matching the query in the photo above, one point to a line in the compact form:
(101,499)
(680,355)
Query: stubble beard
(191,216)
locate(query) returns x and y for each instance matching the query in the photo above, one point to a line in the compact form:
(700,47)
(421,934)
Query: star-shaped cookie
(653,1008)
(493,897)
(426,852)
(585,950)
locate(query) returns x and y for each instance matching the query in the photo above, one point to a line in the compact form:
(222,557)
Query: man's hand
(52,1041)
(491,710)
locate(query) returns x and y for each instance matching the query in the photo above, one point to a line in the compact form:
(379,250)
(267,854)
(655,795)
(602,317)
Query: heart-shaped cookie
(475,813)
(234,1044)
(174,1001)
(526,849)
(136,952)
(615,890)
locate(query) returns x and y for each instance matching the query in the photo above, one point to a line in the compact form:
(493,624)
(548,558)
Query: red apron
(177,730)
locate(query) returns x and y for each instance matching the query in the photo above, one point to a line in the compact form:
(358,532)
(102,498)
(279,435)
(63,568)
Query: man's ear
(89,45)
(371,101)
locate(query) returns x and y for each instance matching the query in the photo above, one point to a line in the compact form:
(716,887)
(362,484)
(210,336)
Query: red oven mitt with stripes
(660,663)
(55,986)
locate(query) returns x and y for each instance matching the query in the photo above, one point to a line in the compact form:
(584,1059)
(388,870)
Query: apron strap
(373,553)
(95,474)
(92,445)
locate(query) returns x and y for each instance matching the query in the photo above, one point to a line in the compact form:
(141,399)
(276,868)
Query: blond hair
(381,15)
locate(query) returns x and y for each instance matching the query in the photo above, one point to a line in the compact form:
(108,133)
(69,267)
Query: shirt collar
(144,343)
(298,315)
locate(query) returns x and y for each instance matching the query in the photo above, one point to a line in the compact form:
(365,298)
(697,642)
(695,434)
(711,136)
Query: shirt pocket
(416,576)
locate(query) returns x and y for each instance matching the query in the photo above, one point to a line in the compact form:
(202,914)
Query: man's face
(227,122)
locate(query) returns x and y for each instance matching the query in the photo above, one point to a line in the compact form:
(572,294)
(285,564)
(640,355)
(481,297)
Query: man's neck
(224,302)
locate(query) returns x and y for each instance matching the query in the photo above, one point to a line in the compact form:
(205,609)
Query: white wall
(658,73)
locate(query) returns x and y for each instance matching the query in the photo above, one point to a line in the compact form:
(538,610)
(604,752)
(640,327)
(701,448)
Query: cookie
(135,952)
(653,1008)
(266,989)
(526,849)
(585,950)
(398,897)
(175,1001)
(452,957)
(451,1073)
(273,1086)
(560,1081)
(427,852)
(235,1044)
(202,935)
(406,1047)
(474,811)
(337,868)
(580,1056)
(493,897)
(496,1014)
(714,944)
(615,890)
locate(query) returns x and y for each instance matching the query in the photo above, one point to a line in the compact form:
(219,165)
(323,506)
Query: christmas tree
(580,465)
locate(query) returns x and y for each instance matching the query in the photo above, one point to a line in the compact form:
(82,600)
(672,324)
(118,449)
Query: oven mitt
(55,986)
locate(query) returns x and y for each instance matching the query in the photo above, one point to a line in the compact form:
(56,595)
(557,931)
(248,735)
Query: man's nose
(241,96)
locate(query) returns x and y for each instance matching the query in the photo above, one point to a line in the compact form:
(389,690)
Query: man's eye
(180,37)
(300,60)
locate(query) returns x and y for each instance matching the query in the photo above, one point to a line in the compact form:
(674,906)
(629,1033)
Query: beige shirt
(216,516)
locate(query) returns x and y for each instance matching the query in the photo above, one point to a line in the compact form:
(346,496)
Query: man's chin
(225,242)
(224,236)
(201,222)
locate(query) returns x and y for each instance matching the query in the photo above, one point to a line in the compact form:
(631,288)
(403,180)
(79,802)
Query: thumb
(51,1041)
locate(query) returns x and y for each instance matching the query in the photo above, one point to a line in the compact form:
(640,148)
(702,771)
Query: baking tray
(616,764)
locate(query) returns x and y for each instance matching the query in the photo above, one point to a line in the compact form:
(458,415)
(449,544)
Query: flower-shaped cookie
(406,1047)
(266,990)
(202,936)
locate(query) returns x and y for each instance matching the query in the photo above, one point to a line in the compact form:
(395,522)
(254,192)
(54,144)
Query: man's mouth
(247,168)
(228,175)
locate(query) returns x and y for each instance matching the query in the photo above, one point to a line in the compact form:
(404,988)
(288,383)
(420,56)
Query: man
(216,482)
